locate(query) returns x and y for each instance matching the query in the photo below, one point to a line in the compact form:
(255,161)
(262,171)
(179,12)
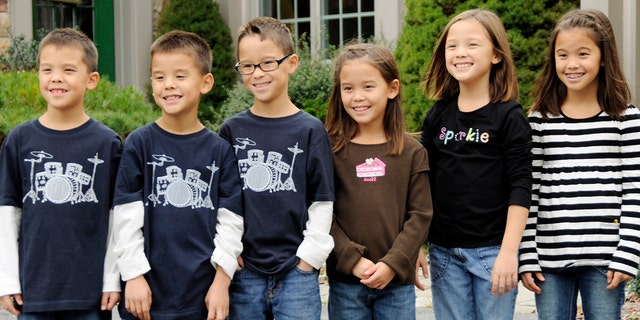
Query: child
(58,175)
(479,145)
(383,203)
(284,157)
(582,233)
(178,201)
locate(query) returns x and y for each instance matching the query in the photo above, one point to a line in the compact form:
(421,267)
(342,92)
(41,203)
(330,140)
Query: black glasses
(269,65)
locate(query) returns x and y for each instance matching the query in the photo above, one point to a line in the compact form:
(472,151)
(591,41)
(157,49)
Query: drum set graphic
(178,189)
(57,185)
(260,174)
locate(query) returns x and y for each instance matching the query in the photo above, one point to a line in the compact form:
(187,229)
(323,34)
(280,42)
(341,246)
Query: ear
(496,59)
(207,83)
(94,78)
(394,88)
(292,63)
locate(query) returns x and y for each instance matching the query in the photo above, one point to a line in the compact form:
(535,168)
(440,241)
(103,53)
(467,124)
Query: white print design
(178,190)
(370,169)
(57,185)
(261,175)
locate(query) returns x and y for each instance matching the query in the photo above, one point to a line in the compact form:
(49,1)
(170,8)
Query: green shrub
(20,55)
(203,18)
(122,109)
(309,89)
(528,23)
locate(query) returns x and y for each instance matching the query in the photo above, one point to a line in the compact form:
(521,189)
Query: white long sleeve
(228,241)
(10,218)
(129,240)
(111,276)
(317,242)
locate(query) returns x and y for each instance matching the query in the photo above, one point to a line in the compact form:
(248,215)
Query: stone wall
(5,24)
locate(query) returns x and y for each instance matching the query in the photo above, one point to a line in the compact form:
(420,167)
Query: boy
(178,200)
(58,174)
(285,159)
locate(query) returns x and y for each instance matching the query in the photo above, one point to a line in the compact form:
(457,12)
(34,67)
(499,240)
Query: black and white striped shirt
(585,207)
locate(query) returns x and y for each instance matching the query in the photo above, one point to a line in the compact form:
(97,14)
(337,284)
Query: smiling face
(178,83)
(365,93)
(64,77)
(469,53)
(578,61)
(267,87)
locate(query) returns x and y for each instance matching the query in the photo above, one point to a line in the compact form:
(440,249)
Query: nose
(169,82)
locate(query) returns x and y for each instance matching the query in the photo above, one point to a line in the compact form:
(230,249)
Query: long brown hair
(613,91)
(340,126)
(503,84)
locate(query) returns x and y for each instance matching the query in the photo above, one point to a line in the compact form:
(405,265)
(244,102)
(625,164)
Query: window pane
(350,29)
(349,6)
(333,28)
(366,5)
(85,21)
(332,7)
(368,28)
(304,10)
(269,8)
(286,9)
(304,28)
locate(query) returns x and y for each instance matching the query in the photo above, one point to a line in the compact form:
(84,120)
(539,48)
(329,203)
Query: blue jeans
(67,315)
(294,295)
(358,302)
(559,293)
(461,284)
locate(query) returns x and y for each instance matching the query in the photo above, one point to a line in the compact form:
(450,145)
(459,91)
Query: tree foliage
(528,23)
(203,18)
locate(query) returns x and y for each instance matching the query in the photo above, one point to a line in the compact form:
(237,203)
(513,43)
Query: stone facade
(5,24)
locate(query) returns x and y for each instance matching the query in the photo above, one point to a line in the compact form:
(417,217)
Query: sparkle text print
(473,135)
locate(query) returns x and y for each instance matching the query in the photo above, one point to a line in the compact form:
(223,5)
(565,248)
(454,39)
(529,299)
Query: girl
(583,228)
(479,145)
(383,208)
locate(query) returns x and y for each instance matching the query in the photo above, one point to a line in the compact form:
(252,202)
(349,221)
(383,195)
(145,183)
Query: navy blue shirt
(182,181)
(285,164)
(63,181)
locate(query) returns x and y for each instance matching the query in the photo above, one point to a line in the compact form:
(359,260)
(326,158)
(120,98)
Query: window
(345,20)
(294,13)
(83,15)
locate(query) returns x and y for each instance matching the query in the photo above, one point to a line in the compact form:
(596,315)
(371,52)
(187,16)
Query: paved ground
(525,304)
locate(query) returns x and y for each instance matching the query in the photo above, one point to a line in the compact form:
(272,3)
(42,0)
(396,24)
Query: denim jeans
(461,284)
(559,293)
(67,315)
(358,302)
(295,295)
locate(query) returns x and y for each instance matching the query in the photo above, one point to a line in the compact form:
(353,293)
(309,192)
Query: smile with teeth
(463,65)
(261,85)
(57,92)
(360,108)
(574,75)
(172,98)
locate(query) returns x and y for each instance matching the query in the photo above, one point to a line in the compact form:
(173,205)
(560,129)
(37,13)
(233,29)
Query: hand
(614,278)
(421,264)
(504,275)
(361,266)
(217,298)
(529,282)
(109,300)
(8,300)
(303,265)
(378,276)
(240,263)
(138,298)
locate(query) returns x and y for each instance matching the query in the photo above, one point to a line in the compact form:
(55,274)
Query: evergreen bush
(122,109)
(528,23)
(21,54)
(203,18)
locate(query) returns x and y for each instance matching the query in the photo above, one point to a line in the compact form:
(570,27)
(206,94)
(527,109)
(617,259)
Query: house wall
(5,24)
